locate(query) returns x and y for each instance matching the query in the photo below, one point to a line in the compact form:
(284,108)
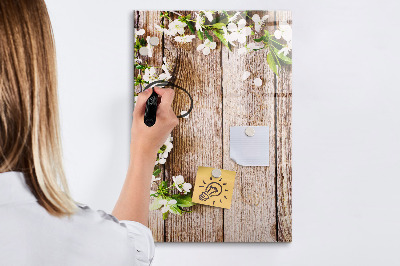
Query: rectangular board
(261,201)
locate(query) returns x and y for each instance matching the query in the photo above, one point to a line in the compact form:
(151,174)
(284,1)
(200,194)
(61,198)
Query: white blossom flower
(206,46)
(227,36)
(167,204)
(150,74)
(169,146)
(250,47)
(175,27)
(199,22)
(178,180)
(162,30)
(245,75)
(234,17)
(166,75)
(208,15)
(169,139)
(185,38)
(257,82)
(186,187)
(138,60)
(161,159)
(139,33)
(152,192)
(239,32)
(149,47)
(258,21)
(286,49)
(154,179)
(284,31)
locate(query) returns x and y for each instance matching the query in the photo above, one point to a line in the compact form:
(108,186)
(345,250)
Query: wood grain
(147,20)
(251,217)
(261,208)
(198,139)
(284,144)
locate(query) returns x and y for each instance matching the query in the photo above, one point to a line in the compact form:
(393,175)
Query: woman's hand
(146,141)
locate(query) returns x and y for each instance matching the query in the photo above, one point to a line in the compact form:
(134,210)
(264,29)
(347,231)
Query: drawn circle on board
(143,51)
(249,131)
(216,173)
(154,41)
(163,83)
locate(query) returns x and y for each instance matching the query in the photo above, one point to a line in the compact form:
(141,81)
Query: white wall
(346,161)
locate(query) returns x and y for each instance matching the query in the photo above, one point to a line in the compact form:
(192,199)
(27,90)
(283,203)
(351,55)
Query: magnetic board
(261,208)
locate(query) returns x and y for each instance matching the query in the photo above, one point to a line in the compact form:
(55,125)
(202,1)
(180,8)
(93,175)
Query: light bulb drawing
(213,189)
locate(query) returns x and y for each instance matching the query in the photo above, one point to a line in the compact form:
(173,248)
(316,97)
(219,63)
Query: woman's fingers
(167,95)
(140,104)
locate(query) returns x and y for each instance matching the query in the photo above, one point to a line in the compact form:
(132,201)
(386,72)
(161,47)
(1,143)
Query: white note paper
(249,151)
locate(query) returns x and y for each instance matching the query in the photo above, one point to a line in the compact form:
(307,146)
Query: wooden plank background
(261,202)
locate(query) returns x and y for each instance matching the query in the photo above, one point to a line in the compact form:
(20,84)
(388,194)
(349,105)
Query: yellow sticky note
(213,191)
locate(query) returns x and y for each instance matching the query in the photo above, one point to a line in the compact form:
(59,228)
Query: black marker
(151,109)
(152,102)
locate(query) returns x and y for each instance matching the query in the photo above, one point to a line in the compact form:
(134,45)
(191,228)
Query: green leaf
(285,59)
(272,63)
(142,42)
(200,35)
(163,185)
(165,215)
(175,209)
(208,36)
(190,26)
(156,172)
(222,38)
(218,25)
(220,19)
(259,39)
(156,204)
(183,200)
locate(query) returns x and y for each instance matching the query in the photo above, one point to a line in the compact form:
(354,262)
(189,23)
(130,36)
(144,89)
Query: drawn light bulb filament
(213,189)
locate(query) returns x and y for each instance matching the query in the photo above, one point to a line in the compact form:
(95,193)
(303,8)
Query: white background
(346,127)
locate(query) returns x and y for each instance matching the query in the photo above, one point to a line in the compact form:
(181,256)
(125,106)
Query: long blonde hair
(29,119)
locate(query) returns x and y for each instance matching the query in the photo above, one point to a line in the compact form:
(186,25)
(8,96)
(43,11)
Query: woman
(40,224)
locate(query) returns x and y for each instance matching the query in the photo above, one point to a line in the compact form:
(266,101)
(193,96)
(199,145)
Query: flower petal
(200,47)
(241,23)
(257,82)
(245,75)
(232,27)
(256,18)
(206,51)
(213,45)
(278,34)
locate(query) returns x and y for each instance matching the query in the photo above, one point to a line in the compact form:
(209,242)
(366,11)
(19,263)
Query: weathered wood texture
(284,144)
(261,202)
(146,20)
(197,140)
(251,217)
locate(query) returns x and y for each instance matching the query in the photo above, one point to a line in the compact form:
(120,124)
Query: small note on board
(214,187)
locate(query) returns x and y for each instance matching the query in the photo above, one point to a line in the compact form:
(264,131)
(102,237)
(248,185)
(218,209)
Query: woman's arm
(133,202)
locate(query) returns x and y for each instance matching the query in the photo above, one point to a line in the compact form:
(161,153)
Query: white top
(29,235)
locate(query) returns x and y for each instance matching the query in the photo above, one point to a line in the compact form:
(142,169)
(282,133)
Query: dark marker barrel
(151,109)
